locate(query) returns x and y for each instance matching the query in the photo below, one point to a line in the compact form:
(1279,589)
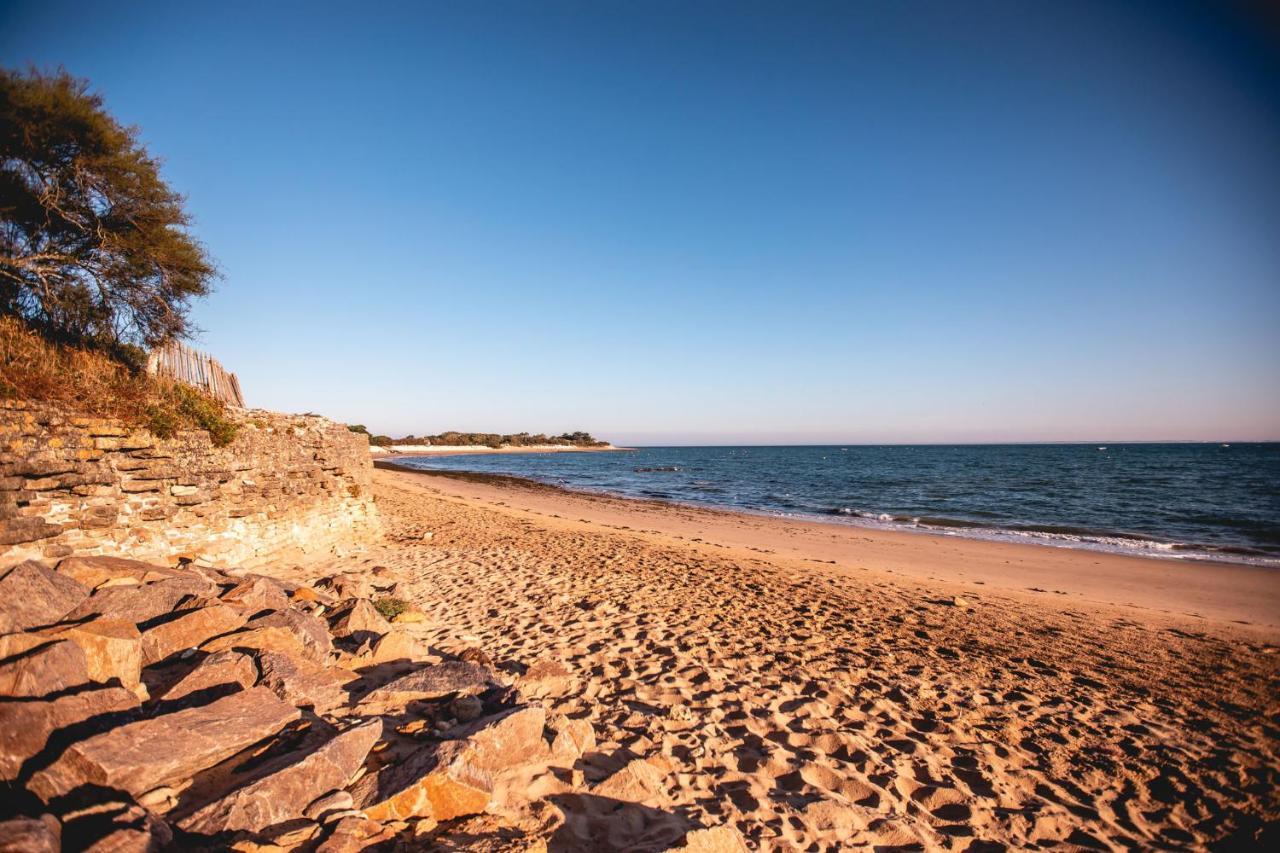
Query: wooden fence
(181,362)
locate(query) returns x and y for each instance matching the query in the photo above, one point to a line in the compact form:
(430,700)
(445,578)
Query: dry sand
(827,687)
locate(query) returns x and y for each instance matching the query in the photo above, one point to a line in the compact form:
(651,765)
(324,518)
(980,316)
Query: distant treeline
(485,439)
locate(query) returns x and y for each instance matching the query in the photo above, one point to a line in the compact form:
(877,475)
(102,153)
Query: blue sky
(712,222)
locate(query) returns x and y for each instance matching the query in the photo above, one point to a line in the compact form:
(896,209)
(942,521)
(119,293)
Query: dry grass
(84,382)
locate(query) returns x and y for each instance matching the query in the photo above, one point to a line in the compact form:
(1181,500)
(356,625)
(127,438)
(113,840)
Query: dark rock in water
(657,469)
(282,788)
(31,835)
(144,755)
(31,594)
(25,727)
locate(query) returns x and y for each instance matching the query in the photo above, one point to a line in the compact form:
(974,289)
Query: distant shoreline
(387,454)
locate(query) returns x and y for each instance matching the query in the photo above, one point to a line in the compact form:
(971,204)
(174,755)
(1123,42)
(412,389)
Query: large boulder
(31,665)
(136,604)
(188,629)
(255,594)
(456,777)
(144,755)
(431,682)
(93,572)
(32,594)
(283,787)
(229,670)
(31,835)
(112,649)
(360,621)
(300,682)
(25,727)
(312,631)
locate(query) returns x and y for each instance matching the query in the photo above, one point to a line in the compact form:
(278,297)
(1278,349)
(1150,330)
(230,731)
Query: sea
(1179,501)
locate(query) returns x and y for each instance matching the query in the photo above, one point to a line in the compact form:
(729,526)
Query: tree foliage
(94,247)
(495,440)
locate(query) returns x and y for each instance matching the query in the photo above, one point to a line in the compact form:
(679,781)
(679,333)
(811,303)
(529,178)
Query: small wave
(657,468)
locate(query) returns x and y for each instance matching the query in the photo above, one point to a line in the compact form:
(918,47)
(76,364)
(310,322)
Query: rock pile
(145,707)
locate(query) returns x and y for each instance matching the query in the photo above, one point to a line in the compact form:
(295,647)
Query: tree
(94,247)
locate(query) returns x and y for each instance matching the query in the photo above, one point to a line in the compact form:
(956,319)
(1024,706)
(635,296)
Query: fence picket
(181,362)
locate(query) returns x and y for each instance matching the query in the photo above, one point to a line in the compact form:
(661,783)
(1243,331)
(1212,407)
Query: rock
(360,621)
(300,682)
(720,839)
(545,678)
(47,668)
(255,639)
(255,594)
(477,656)
(31,835)
(637,782)
(226,669)
(331,802)
(115,827)
(32,594)
(354,834)
(93,572)
(347,585)
(149,753)
(280,789)
(453,778)
(432,682)
(392,646)
(573,738)
(136,604)
(466,708)
(188,629)
(311,631)
(25,727)
(112,649)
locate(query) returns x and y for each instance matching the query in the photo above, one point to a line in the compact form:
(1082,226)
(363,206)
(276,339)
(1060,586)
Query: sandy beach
(824,687)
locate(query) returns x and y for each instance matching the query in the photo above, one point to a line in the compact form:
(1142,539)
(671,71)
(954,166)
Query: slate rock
(311,631)
(95,571)
(136,604)
(39,670)
(360,621)
(144,755)
(227,669)
(281,789)
(255,594)
(188,629)
(25,727)
(300,682)
(32,594)
(432,682)
(453,778)
(112,650)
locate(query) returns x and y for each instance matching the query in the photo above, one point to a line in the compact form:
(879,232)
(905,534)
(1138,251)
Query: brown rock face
(284,787)
(25,727)
(95,571)
(637,782)
(432,682)
(30,835)
(31,594)
(219,669)
(311,632)
(188,630)
(149,753)
(44,669)
(255,594)
(360,621)
(112,649)
(453,778)
(300,682)
(134,603)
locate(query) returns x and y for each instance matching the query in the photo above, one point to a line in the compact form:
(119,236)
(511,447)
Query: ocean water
(1182,501)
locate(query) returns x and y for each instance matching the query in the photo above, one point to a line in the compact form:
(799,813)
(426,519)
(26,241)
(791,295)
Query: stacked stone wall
(289,485)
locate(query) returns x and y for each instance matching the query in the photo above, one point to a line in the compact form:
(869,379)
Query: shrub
(390,608)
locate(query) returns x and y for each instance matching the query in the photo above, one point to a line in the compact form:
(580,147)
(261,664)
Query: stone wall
(289,485)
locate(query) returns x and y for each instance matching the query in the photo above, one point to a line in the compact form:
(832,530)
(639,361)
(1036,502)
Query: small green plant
(390,608)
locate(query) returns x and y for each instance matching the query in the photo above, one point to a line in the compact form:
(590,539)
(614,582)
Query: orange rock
(187,630)
(112,649)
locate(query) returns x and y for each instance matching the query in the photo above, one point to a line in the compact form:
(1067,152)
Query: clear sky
(714,222)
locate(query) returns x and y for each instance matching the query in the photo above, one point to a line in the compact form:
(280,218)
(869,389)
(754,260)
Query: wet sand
(822,686)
